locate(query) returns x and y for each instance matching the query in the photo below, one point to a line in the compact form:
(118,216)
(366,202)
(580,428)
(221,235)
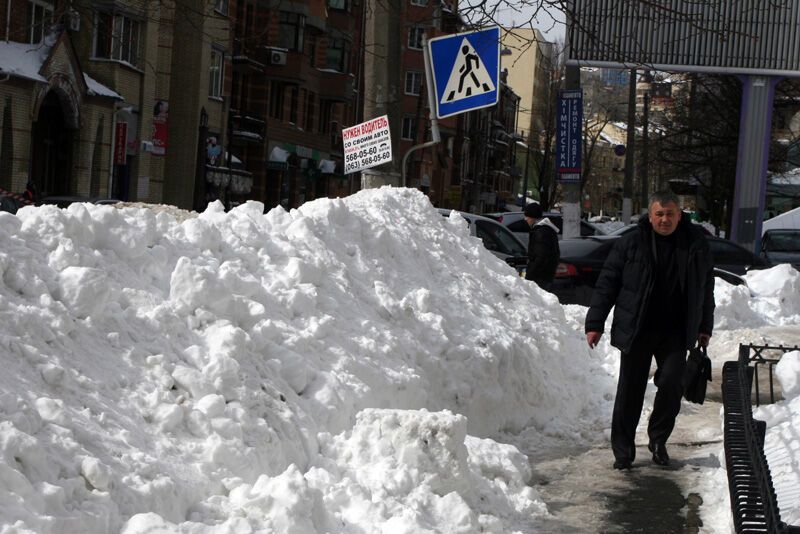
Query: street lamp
(527,148)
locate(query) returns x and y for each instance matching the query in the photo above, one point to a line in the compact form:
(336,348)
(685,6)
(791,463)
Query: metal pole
(435,135)
(627,184)
(527,166)
(645,160)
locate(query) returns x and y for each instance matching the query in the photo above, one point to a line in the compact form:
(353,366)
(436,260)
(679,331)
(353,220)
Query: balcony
(334,85)
(244,57)
(247,126)
(285,65)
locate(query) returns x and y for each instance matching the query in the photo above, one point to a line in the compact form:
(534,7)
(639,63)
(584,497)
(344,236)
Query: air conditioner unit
(276,57)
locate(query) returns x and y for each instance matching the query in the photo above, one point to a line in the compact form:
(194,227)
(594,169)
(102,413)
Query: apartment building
(56,121)
(295,84)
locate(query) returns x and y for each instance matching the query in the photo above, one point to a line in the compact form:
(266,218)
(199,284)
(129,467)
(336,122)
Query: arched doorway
(51,151)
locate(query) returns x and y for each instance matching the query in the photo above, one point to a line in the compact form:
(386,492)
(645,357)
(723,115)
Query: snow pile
(771,297)
(332,369)
(782,442)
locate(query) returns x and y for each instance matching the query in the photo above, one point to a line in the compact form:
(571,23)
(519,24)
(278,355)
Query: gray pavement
(584,494)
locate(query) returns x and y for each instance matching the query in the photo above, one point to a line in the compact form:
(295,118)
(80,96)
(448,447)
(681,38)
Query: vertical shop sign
(121,143)
(569,141)
(160,127)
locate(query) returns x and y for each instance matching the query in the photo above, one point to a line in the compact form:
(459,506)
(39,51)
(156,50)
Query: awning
(327,166)
(278,155)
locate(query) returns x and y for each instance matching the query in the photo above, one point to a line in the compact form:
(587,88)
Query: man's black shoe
(660,455)
(622,464)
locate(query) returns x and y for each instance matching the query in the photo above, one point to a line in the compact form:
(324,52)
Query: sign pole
(435,136)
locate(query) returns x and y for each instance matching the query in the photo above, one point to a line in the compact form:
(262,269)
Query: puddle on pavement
(653,504)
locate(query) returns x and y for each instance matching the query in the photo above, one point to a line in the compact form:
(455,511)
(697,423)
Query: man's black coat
(543,253)
(627,279)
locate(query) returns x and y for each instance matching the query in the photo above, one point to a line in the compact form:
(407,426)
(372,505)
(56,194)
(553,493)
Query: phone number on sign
(371,151)
(365,161)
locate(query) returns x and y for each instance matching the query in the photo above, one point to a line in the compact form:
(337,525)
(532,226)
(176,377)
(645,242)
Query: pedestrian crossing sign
(466,71)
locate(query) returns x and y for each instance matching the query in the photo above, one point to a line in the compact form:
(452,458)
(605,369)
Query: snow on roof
(23,60)
(791,177)
(98,89)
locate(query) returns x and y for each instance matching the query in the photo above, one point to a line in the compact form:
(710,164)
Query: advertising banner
(160,127)
(121,143)
(367,144)
(569,142)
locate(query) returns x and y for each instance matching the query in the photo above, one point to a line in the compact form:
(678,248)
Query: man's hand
(703,339)
(593,338)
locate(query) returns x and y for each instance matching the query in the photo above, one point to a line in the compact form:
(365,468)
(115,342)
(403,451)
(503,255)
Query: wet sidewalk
(585,494)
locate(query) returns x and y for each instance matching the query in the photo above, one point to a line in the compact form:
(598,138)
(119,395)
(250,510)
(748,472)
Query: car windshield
(497,238)
(783,242)
(574,248)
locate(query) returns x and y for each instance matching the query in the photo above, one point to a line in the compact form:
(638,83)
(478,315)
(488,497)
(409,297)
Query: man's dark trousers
(669,350)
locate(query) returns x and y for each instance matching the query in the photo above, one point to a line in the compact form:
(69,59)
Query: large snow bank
(337,368)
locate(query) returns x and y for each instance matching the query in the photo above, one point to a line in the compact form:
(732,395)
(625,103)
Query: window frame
(216,81)
(412,30)
(221,7)
(122,36)
(343,57)
(413,74)
(347,5)
(47,9)
(413,126)
(298,26)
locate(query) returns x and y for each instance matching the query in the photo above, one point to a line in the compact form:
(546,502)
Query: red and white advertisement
(121,143)
(160,127)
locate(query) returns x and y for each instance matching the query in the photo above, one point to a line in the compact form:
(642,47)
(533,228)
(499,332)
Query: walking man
(660,281)
(543,250)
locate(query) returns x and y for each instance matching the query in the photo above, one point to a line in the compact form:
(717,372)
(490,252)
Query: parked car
(628,228)
(582,260)
(515,221)
(496,238)
(62,201)
(781,246)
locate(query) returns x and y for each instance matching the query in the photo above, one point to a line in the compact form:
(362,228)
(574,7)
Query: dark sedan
(582,260)
(781,246)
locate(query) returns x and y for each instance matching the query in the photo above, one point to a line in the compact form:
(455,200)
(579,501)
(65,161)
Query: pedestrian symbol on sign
(465,70)
(468,75)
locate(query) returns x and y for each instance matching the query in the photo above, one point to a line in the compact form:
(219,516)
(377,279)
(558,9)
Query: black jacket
(543,253)
(627,280)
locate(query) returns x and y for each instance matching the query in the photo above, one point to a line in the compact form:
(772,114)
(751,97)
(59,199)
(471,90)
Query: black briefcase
(696,375)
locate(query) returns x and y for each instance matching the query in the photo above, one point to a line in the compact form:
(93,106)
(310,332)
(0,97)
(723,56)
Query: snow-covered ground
(355,365)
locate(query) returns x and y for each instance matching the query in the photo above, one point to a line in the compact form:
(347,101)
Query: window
(221,6)
(311,105)
(293,101)
(419,3)
(413,82)
(496,238)
(325,113)
(343,5)
(215,73)
(290,31)
(337,55)
(117,37)
(409,128)
(312,50)
(276,100)
(415,37)
(40,17)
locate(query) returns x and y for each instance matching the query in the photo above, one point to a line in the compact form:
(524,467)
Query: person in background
(660,281)
(543,251)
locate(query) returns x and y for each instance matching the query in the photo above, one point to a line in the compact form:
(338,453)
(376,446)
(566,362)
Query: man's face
(530,220)
(664,218)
